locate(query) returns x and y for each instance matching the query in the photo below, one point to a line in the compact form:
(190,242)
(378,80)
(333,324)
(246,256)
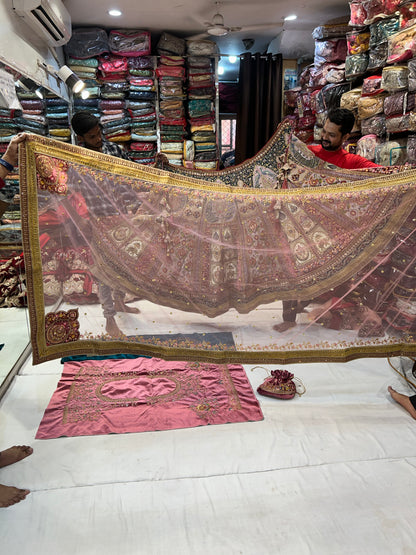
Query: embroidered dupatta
(332,252)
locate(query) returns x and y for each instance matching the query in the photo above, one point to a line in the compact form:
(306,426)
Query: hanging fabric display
(306,256)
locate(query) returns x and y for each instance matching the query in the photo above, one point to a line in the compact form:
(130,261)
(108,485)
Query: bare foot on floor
(404,401)
(10,495)
(122,307)
(113,330)
(14,454)
(284,326)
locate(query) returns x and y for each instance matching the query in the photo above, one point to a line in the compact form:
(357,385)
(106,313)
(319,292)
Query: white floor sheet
(331,472)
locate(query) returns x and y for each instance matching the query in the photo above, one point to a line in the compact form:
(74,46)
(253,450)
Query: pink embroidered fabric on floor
(140,395)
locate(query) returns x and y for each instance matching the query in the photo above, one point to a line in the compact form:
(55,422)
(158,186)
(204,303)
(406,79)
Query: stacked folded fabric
(8,126)
(32,118)
(86,70)
(89,104)
(172,121)
(201,111)
(142,109)
(57,116)
(112,75)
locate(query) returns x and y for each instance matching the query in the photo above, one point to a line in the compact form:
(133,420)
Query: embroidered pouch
(280,385)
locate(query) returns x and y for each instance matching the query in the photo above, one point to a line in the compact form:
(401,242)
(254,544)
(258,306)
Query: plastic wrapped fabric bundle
(369,106)
(169,44)
(412,121)
(366,146)
(381,30)
(291,96)
(398,124)
(377,56)
(201,48)
(330,95)
(358,13)
(411,66)
(395,78)
(330,51)
(411,149)
(129,42)
(399,103)
(375,125)
(333,73)
(358,42)
(374,9)
(392,153)
(371,85)
(407,14)
(402,45)
(87,42)
(355,66)
(203,253)
(140,62)
(330,31)
(349,99)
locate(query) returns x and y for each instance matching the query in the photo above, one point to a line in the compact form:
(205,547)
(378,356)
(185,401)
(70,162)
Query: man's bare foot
(284,326)
(404,401)
(14,454)
(122,307)
(10,495)
(112,329)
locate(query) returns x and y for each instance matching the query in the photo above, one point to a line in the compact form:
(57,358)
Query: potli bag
(280,385)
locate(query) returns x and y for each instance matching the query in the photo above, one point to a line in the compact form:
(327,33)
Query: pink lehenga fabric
(341,249)
(141,395)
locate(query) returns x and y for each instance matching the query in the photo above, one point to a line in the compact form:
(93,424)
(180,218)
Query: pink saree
(330,251)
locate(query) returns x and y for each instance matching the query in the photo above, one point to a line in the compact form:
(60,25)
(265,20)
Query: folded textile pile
(32,118)
(172,121)
(201,110)
(141,106)
(57,117)
(8,126)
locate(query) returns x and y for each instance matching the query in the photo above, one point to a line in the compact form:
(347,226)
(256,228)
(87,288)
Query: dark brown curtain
(260,105)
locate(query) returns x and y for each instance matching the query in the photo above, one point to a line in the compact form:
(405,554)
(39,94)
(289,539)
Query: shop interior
(330,471)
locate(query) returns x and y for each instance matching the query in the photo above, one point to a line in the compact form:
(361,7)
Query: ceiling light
(220,70)
(232,59)
(291,17)
(114,13)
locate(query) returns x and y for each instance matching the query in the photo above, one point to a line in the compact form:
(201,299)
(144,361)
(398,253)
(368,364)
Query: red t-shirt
(342,158)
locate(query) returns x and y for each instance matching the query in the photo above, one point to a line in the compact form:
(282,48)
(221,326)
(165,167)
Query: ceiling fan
(217,28)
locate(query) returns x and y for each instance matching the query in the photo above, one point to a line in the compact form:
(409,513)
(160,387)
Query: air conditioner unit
(49,18)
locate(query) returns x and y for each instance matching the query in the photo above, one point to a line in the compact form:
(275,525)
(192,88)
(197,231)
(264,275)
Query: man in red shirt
(337,128)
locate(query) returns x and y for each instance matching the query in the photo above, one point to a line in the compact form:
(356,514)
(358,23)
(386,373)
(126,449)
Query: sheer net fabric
(307,263)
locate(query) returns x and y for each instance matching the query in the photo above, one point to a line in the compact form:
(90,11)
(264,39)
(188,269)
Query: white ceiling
(186,18)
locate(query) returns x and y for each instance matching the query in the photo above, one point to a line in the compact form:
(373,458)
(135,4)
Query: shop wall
(21,49)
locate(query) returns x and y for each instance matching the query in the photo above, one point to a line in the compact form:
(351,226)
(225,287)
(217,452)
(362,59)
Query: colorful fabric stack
(33,118)
(172,121)
(112,74)
(57,116)
(201,111)
(8,126)
(86,70)
(142,109)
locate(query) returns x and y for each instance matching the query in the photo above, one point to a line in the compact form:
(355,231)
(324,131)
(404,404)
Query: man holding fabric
(88,130)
